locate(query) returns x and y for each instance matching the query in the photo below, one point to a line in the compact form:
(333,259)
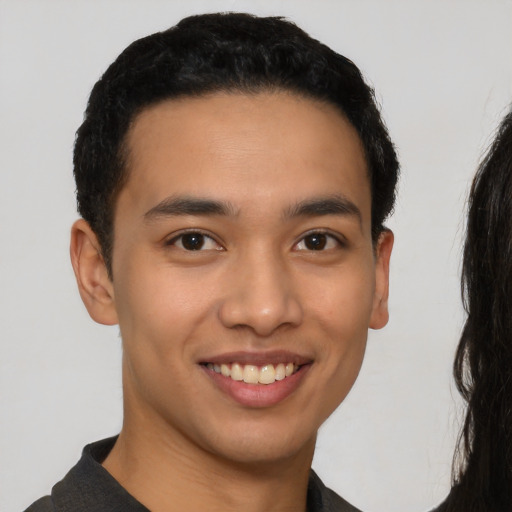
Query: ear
(94,284)
(380,315)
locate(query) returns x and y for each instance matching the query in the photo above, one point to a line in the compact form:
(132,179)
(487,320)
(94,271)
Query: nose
(260,296)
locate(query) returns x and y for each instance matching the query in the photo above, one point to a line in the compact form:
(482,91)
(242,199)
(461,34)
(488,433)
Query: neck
(168,476)
(166,470)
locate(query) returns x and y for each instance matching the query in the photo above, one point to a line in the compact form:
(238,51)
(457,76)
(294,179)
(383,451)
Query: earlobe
(94,284)
(380,315)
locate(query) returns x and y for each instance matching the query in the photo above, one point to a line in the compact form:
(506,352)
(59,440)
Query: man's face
(243,250)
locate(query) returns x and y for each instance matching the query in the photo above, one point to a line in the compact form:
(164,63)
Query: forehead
(275,145)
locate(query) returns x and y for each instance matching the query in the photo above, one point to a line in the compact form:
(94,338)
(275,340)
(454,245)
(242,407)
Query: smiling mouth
(252,374)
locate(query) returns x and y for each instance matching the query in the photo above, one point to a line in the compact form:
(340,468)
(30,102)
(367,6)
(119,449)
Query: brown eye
(194,241)
(318,241)
(315,242)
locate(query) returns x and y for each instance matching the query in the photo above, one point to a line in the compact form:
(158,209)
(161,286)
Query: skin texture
(255,287)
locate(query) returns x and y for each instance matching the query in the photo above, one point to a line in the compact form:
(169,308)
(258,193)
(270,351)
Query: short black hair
(223,52)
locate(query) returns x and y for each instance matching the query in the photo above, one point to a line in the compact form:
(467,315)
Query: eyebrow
(321,206)
(331,205)
(176,206)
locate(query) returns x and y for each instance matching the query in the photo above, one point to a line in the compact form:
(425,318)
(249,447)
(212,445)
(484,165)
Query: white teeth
(280,371)
(251,374)
(237,372)
(267,374)
(225,370)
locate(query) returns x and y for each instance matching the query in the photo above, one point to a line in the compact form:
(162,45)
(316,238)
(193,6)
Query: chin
(260,447)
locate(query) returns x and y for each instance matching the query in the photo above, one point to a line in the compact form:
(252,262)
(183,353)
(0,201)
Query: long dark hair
(483,364)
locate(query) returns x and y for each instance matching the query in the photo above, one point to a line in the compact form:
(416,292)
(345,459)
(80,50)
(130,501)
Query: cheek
(344,302)
(160,315)
(161,307)
(343,310)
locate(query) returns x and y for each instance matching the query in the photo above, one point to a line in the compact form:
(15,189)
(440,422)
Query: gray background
(443,73)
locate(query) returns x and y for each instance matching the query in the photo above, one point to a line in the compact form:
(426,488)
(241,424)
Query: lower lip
(258,395)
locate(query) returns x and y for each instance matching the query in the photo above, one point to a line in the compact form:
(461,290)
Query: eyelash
(176,238)
(329,237)
(339,240)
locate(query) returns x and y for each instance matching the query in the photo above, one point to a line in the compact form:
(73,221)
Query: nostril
(263,319)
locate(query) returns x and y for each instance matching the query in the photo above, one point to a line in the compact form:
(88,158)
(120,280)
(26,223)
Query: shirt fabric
(89,487)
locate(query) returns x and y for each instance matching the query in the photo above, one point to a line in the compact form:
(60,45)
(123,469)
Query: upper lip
(258,358)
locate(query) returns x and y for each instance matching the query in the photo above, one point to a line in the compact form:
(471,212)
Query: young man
(233,176)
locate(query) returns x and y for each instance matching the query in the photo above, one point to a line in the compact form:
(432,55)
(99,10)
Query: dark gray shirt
(90,487)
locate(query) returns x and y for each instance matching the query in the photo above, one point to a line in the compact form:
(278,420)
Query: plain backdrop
(443,75)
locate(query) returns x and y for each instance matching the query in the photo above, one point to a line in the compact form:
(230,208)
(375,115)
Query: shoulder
(336,503)
(323,499)
(88,486)
(44,504)
(83,483)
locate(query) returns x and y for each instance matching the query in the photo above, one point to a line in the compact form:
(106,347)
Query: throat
(166,483)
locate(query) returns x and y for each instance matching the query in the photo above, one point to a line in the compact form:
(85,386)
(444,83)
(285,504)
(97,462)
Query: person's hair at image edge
(483,364)
(231,52)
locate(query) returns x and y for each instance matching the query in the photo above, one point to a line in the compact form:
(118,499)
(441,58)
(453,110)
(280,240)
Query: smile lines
(251,374)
